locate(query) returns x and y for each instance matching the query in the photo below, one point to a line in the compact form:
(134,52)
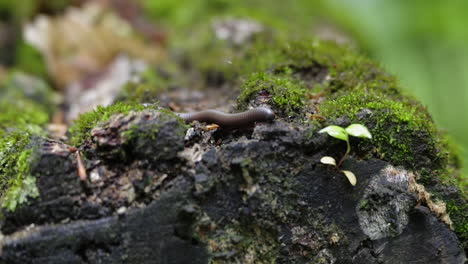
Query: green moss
(307,55)
(79,130)
(16,182)
(25,106)
(285,93)
(459,215)
(290,70)
(151,131)
(458,212)
(403,131)
(28,118)
(356,90)
(398,127)
(145,134)
(282,74)
(146,90)
(399,124)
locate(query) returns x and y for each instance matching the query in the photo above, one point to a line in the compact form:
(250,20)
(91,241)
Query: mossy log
(159,191)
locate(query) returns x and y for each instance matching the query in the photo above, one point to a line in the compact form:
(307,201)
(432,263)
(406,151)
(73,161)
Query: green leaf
(336,132)
(358,130)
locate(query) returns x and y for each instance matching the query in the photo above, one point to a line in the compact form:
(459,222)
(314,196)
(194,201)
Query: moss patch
(79,130)
(459,215)
(402,133)
(26,104)
(16,182)
(290,70)
(284,92)
(287,71)
(355,90)
(149,86)
(148,134)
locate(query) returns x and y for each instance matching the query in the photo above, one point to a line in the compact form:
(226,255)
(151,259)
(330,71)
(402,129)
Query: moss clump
(402,133)
(147,88)
(16,182)
(26,104)
(459,215)
(288,71)
(355,90)
(283,91)
(151,129)
(147,134)
(304,58)
(79,130)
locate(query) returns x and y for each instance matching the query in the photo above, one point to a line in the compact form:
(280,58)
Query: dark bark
(228,197)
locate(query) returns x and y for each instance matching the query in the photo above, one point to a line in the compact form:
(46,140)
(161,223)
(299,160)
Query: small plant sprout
(355,130)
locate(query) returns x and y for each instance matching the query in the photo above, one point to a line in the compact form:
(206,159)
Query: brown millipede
(236,120)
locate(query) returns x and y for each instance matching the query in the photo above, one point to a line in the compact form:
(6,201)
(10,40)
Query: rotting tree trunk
(255,196)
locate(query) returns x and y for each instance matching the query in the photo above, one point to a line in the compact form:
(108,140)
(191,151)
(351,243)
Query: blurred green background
(423,42)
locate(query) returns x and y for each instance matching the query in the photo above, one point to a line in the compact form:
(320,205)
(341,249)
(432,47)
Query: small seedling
(355,130)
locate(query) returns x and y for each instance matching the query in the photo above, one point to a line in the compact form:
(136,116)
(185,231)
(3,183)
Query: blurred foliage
(146,89)
(19,11)
(28,59)
(15,14)
(26,103)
